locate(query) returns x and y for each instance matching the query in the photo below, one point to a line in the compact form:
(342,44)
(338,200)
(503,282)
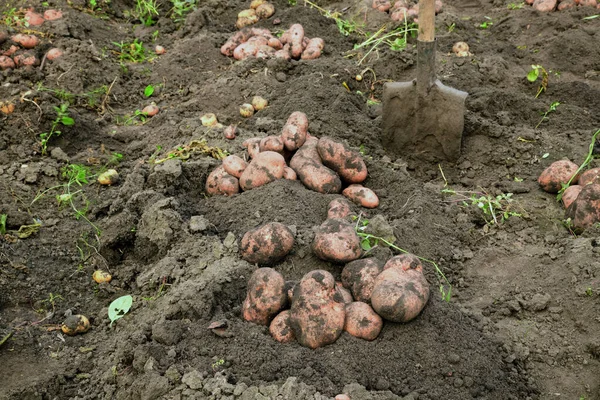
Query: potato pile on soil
(522,318)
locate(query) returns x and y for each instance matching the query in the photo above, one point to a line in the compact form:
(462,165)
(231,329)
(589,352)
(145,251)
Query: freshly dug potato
(399,14)
(361,195)
(245,50)
(75,324)
(26,41)
(280,328)
(590,176)
(3,36)
(338,208)
(53,54)
(289,174)
(255,3)
(545,5)
(6,63)
(259,103)
(336,241)
(100,276)
(246,18)
(362,321)
(438,6)
(557,174)
(296,38)
(316,319)
(7,107)
(220,182)
(313,174)
(294,131)
(359,276)
(382,5)
(234,165)
(565,4)
(346,162)
(569,195)
(26,59)
(234,41)
(313,49)
(398,295)
(258,40)
(109,177)
(150,110)
(11,50)
(33,18)
(404,262)
(342,295)
(265,298)
(585,210)
(265,10)
(283,53)
(52,15)
(272,143)
(264,168)
(267,244)
(275,43)
(461,49)
(230,132)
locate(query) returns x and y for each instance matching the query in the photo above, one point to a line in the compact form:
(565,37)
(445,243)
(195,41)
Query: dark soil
(524,316)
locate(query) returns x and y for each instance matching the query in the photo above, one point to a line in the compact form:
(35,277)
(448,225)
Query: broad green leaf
(119,307)
(533,75)
(365,245)
(68,121)
(149,90)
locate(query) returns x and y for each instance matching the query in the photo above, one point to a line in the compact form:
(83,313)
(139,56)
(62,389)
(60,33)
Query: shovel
(423,118)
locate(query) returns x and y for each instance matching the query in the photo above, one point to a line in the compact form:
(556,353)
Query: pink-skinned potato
(264,168)
(245,50)
(544,5)
(265,297)
(220,182)
(6,63)
(382,5)
(359,276)
(235,40)
(346,162)
(590,176)
(280,328)
(296,38)
(275,43)
(342,295)
(289,174)
(361,195)
(399,295)
(313,49)
(585,210)
(234,165)
(557,174)
(339,208)
(362,321)
(404,262)
(267,244)
(294,131)
(272,143)
(570,194)
(311,171)
(336,241)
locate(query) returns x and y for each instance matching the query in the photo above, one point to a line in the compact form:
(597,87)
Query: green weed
(62,118)
(146,10)
(534,74)
(551,109)
(395,40)
(181,8)
(137,118)
(14,18)
(486,24)
(516,6)
(344,26)
(3,224)
(495,209)
(133,52)
(149,90)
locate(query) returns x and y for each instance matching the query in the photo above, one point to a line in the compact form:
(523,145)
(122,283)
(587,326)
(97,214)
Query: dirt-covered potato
(557,174)
(399,295)
(342,295)
(336,241)
(359,276)
(296,33)
(346,162)
(338,208)
(265,10)
(280,328)
(361,195)
(312,173)
(245,18)
(590,176)
(75,324)
(315,317)
(569,195)
(267,244)
(289,174)
(313,49)
(245,50)
(234,165)
(294,131)
(266,296)
(264,168)
(238,38)
(362,321)
(272,143)
(585,210)
(220,182)
(382,5)
(404,262)
(6,63)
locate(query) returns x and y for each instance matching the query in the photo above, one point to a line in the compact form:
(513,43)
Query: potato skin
(359,276)
(234,41)
(264,168)
(295,130)
(338,208)
(343,160)
(6,63)
(558,173)
(585,210)
(245,50)
(336,241)
(362,321)
(280,328)
(590,176)
(404,262)
(398,295)
(267,244)
(289,174)
(220,182)
(266,296)
(342,295)
(361,195)
(234,165)
(272,143)
(313,49)
(569,195)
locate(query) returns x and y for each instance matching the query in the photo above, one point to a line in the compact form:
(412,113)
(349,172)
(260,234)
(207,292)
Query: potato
(585,210)
(230,131)
(109,177)
(75,324)
(336,241)
(6,107)
(6,63)
(557,174)
(313,49)
(283,53)
(313,174)
(26,41)
(565,4)
(245,18)
(100,276)
(280,328)
(234,41)
(234,165)
(544,5)
(404,262)
(265,297)
(342,396)
(33,18)
(275,43)
(265,10)
(258,40)
(361,195)
(338,208)
(245,50)
(53,54)
(382,5)
(267,244)
(569,195)
(398,295)
(289,174)
(150,110)
(272,143)
(295,130)
(346,162)
(260,103)
(264,168)
(52,15)
(255,3)
(11,50)
(296,38)
(26,59)
(590,176)
(316,319)
(399,14)
(3,36)
(438,6)
(362,321)
(221,183)
(359,276)
(342,295)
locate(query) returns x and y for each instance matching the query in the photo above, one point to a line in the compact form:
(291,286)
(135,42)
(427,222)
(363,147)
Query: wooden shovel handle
(426,20)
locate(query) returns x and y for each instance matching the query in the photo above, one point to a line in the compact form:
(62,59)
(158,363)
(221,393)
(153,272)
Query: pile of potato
(322,165)
(259,9)
(399,9)
(551,5)
(581,199)
(260,43)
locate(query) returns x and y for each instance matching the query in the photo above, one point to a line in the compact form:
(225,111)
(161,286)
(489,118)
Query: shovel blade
(427,126)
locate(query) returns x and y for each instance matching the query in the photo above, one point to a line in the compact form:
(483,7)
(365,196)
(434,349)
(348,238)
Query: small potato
(382,5)
(275,43)
(585,210)
(272,143)
(361,195)
(565,4)
(230,132)
(220,182)
(267,244)
(557,174)
(289,174)
(295,130)
(404,262)
(33,18)
(246,110)
(11,50)
(26,41)
(259,103)
(283,53)
(246,18)
(398,295)
(399,14)
(25,60)
(109,177)
(346,162)
(265,297)
(75,324)
(255,3)
(439,6)
(52,15)
(544,5)
(7,107)
(342,295)
(159,50)
(336,241)
(296,38)
(265,10)
(588,3)
(461,49)
(359,276)
(6,63)
(150,110)
(209,119)
(54,54)
(590,176)
(264,168)
(338,208)
(569,195)
(280,328)
(313,49)
(362,321)
(234,165)
(245,50)
(100,276)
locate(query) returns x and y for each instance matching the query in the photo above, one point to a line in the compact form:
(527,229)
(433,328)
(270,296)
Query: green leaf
(119,307)
(3,224)
(149,90)
(67,121)
(591,17)
(533,74)
(365,245)
(545,155)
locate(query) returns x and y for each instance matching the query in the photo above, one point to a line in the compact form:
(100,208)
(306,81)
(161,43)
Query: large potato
(585,210)
(266,296)
(399,295)
(220,182)
(234,165)
(337,241)
(311,171)
(557,174)
(316,319)
(267,244)
(294,131)
(338,208)
(272,143)
(569,195)
(359,276)
(404,262)
(264,168)
(362,321)
(235,40)
(590,176)
(280,328)
(361,195)
(343,160)
(313,49)
(296,33)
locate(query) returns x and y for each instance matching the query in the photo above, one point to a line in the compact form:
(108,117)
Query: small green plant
(62,118)
(588,159)
(3,224)
(495,209)
(119,307)
(589,292)
(451,27)
(344,26)
(292,2)
(115,158)
(149,90)
(93,5)
(181,8)
(551,109)
(134,52)
(516,6)
(534,74)
(217,364)
(146,10)
(137,118)
(486,24)
(396,39)
(52,300)
(14,18)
